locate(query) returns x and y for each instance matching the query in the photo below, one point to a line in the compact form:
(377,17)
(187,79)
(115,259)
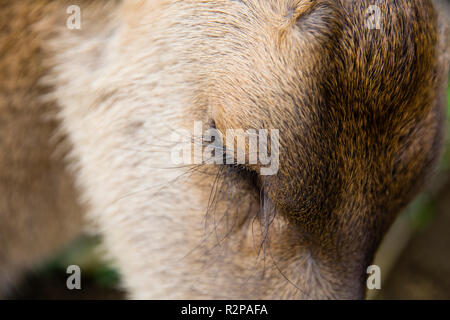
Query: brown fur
(360,115)
(38,210)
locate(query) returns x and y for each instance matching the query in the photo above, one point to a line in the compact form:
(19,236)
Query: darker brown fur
(373,132)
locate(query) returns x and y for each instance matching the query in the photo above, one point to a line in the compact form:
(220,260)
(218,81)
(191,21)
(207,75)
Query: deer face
(359,131)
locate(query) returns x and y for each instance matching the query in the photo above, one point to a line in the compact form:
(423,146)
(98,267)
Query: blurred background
(414,257)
